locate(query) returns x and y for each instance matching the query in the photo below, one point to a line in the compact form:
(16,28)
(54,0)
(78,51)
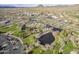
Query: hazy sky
(39,2)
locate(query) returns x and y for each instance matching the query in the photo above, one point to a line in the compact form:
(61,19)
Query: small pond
(47,38)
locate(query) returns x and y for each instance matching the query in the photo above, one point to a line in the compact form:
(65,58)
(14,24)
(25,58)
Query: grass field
(31,23)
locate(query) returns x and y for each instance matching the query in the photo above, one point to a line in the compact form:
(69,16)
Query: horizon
(32,5)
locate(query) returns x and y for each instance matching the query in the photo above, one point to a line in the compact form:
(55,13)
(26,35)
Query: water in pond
(46,39)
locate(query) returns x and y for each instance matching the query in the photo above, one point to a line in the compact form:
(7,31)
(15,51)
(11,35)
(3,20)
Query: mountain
(32,5)
(16,5)
(7,6)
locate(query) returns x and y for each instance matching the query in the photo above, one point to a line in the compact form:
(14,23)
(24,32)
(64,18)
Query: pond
(47,38)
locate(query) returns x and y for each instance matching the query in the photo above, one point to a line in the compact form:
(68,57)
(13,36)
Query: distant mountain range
(7,6)
(17,5)
(31,5)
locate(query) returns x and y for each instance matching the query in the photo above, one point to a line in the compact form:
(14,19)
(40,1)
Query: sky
(32,3)
(39,1)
